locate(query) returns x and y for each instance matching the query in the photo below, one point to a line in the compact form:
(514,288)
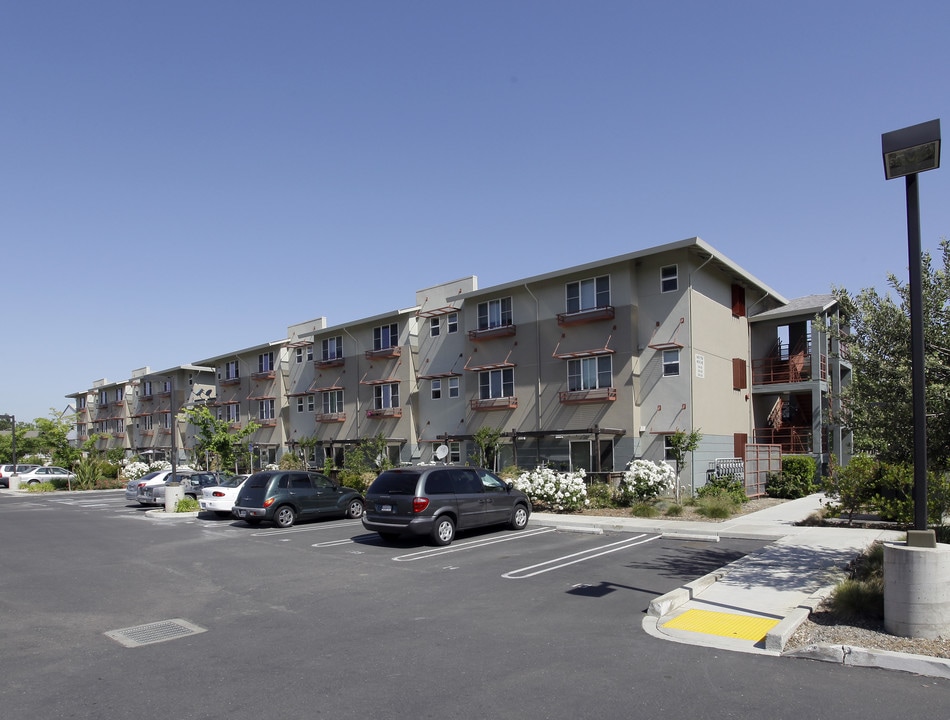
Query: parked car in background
(219,499)
(283,496)
(144,490)
(436,500)
(7,470)
(192,486)
(132,486)
(45,473)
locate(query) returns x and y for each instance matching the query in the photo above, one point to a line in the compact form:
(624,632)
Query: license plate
(385,508)
(242,513)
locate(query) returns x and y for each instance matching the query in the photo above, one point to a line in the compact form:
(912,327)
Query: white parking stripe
(523,573)
(470,545)
(303,528)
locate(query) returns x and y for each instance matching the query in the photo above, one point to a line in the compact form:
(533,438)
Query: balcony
(795,440)
(384,353)
(500,403)
(148,433)
(267,422)
(330,417)
(491,333)
(586,316)
(263,375)
(329,363)
(582,397)
(229,381)
(793,369)
(394,412)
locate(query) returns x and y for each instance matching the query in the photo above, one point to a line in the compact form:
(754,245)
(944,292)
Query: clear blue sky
(184,178)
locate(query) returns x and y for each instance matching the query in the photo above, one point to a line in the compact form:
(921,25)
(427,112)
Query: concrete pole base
(173,493)
(916,601)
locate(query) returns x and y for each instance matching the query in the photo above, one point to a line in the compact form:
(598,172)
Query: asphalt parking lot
(324,619)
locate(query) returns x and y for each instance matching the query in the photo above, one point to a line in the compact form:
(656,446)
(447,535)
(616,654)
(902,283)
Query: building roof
(806,305)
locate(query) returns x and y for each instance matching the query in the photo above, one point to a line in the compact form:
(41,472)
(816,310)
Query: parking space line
(590,554)
(470,545)
(346,541)
(303,529)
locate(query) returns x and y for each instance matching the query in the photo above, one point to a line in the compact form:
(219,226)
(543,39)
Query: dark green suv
(283,496)
(434,500)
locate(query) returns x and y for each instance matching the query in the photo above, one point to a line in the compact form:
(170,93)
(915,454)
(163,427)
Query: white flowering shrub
(556,491)
(134,470)
(645,480)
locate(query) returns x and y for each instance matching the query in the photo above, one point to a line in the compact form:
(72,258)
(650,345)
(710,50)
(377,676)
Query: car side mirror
(510,485)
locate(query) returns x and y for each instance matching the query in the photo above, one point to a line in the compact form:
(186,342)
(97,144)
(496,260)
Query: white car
(144,490)
(45,473)
(219,499)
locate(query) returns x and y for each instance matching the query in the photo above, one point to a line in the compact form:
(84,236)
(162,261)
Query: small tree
(853,484)
(487,441)
(682,443)
(214,436)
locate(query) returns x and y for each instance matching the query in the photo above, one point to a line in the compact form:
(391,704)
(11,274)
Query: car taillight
(419,504)
(268,502)
(217,493)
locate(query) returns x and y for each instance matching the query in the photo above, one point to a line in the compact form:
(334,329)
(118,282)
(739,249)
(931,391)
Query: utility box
(173,493)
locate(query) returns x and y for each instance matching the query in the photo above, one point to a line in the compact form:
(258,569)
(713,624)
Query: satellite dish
(441,452)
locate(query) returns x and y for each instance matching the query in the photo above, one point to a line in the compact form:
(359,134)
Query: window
(167,386)
(436,388)
(333,402)
(299,354)
(304,352)
(231,370)
(147,388)
(81,429)
(434,327)
(668,453)
(494,313)
(119,426)
(333,348)
(265,362)
(453,387)
(589,373)
(81,403)
(305,403)
(496,384)
(669,278)
(310,352)
(452,323)
(386,396)
(455,452)
(103,397)
(118,395)
(166,421)
(671,363)
(265,409)
(232,413)
(385,336)
(147,422)
(588,294)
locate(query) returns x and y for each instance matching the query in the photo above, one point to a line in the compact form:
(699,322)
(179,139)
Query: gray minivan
(435,500)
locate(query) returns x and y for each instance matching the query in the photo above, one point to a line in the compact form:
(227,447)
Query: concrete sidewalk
(755,604)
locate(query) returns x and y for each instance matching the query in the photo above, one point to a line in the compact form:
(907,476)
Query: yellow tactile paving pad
(740,627)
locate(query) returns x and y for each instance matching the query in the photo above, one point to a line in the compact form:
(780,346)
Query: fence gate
(760,462)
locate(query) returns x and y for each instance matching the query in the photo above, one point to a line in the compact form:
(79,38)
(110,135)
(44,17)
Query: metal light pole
(908,152)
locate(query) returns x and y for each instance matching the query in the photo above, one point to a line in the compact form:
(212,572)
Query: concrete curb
(160,514)
(665,604)
(884,659)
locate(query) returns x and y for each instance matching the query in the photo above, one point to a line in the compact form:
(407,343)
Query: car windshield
(234,481)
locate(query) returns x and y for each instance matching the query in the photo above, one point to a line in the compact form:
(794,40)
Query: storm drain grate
(155,632)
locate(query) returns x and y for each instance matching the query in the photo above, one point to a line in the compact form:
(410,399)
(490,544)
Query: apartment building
(586,367)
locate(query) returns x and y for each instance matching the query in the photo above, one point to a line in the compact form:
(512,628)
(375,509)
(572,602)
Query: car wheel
(443,532)
(223,513)
(519,518)
(191,497)
(355,509)
(284,516)
(33,482)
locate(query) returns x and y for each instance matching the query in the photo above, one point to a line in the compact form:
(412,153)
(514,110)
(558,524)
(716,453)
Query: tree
(682,443)
(487,441)
(53,438)
(879,399)
(214,436)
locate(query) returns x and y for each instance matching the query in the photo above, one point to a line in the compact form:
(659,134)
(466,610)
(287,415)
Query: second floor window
(385,336)
(232,413)
(265,362)
(496,384)
(588,294)
(147,422)
(671,363)
(386,396)
(103,397)
(118,395)
(147,388)
(494,313)
(333,402)
(436,388)
(452,322)
(265,409)
(453,387)
(435,327)
(669,278)
(589,373)
(231,370)
(305,403)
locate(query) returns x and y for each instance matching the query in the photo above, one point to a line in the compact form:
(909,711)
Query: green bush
(796,480)
(851,487)
(716,506)
(187,505)
(727,486)
(40,487)
(88,473)
(600,495)
(644,509)
(674,510)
